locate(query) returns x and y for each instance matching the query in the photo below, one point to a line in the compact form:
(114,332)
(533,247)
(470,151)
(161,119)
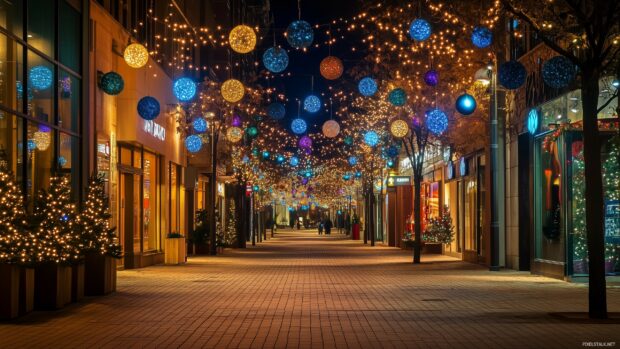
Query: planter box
(26,290)
(431,248)
(99,274)
(77,282)
(175,250)
(199,249)
(9,291)
(52,286)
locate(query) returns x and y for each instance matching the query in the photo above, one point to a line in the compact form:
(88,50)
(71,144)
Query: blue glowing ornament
(279,159)
(148,108)
(266,154)
(199,124)
(193,143)
(371,138)
(276,111)
(392,151)
(390,163)
(312,104)
(293,161)
(254,152)
(436,121)
(367,86)
(184,89)
(346,176)
(64,217)
(275,59)
(352,160)
(481,37)
(348,140)
(397,97)
(431,77)
(358,174)
(32,145)
(420,29)
(62,161)
(112,83)
(558,72)
(255,188)
(511,75)
(251,131)
(299,34)
(245,159)
(307,173)
(40,77)
(532,121)
(465,104)
(298,126)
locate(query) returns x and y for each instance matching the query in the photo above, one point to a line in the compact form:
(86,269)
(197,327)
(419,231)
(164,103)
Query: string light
(136,55)
(242,39)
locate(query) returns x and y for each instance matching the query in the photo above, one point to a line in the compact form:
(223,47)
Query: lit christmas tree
(14,245)
(231,225)
(53,223)
(440,229)
(93,223)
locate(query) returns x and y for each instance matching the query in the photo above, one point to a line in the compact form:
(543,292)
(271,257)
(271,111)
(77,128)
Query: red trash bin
(356,231)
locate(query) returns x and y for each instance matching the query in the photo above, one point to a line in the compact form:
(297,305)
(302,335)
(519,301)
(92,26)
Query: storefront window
(11,81)
(471,240)
(69,38)
(68,160)
(149,202)
(40,146)
(41,83)
(11,16)
(10,143)
(41,25)
(68,101)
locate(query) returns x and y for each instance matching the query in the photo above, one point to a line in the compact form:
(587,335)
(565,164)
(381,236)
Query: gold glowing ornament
(136,55)
(234,134)
(331,68)
(399,128)
(42,140)
(232,90)
(242,39)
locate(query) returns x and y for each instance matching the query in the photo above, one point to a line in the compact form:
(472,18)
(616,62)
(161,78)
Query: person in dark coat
(328,226)
(320,226)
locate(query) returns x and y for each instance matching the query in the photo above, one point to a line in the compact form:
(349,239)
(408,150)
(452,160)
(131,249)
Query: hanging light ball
(348,140)
(392,151)
(371,138)
(40,77)
(266,154)
(399,128)
(367,86)
(199,124)
(331,128)
(242,39)
(193,143)
(331,68)
(299,34)
(420,29)
(558,72)
(352,160)
(234,134)
(276,111)
(232,90)
(293,161)
(62,161)
(298,126)
(136,55)
(148,108)
(481,37)
(465,104)
(42,140)
(236,121)
(358,174)
(346,176)
(305,142)
(397,97)
(436,121)
(251,131)
(184,89)
(312,104)
(279,159)
(275,59)
(431,77)
(112,83)
(511,74)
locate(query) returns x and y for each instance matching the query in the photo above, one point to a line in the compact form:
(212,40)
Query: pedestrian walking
(320,225)
(328,226)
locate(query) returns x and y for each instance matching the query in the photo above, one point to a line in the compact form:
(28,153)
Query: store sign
(396,181)
(154,129)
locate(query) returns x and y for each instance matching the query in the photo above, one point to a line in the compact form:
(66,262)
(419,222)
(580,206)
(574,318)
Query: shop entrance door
(129,218)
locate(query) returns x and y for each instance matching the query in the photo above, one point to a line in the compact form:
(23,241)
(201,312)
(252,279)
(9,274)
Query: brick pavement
(301,291)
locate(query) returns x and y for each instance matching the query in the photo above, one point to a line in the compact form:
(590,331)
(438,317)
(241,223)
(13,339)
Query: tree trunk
(595,226)
(367,218)
(417,216)
(372,218)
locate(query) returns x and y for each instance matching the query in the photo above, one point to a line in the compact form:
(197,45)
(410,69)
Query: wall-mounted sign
(154,129)
(395,181)
(463,167)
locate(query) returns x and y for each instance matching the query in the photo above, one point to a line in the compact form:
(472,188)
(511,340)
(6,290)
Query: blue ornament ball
(431,77)
(558,72)
(367,86)
(436,121)
(312,104)
(199,124)
(420,29)
(62,161)
(40,77)
(512,75)
(481,37)
(358,174)
(298,126)
(293,161)
(112,83)
(371,138)
(299,34)
(275,59)
(148,108)
(348,140)
(397,97)
(193,143)
(465,104)
(279,159)
(184,89)
(392,151)
(266,154)
(352,160)
(276,111)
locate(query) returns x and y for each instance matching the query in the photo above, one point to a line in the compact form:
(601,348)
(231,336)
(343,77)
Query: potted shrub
(439,230)
(175,248)
(99,241)
(610,258)
(580,254)
(407,241)
(199,237)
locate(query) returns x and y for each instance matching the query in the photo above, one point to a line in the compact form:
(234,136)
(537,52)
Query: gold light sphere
(234,134)
(331,68)
(136,55)
(42,140)
(331,129)
(232,90)
(242,39)
(399,128)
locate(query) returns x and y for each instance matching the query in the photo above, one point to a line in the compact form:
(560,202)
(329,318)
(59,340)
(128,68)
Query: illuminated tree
(15,244)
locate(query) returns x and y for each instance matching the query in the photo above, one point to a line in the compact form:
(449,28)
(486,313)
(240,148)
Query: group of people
(326,224)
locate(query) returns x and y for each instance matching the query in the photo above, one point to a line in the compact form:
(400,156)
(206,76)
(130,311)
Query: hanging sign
(395,181)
